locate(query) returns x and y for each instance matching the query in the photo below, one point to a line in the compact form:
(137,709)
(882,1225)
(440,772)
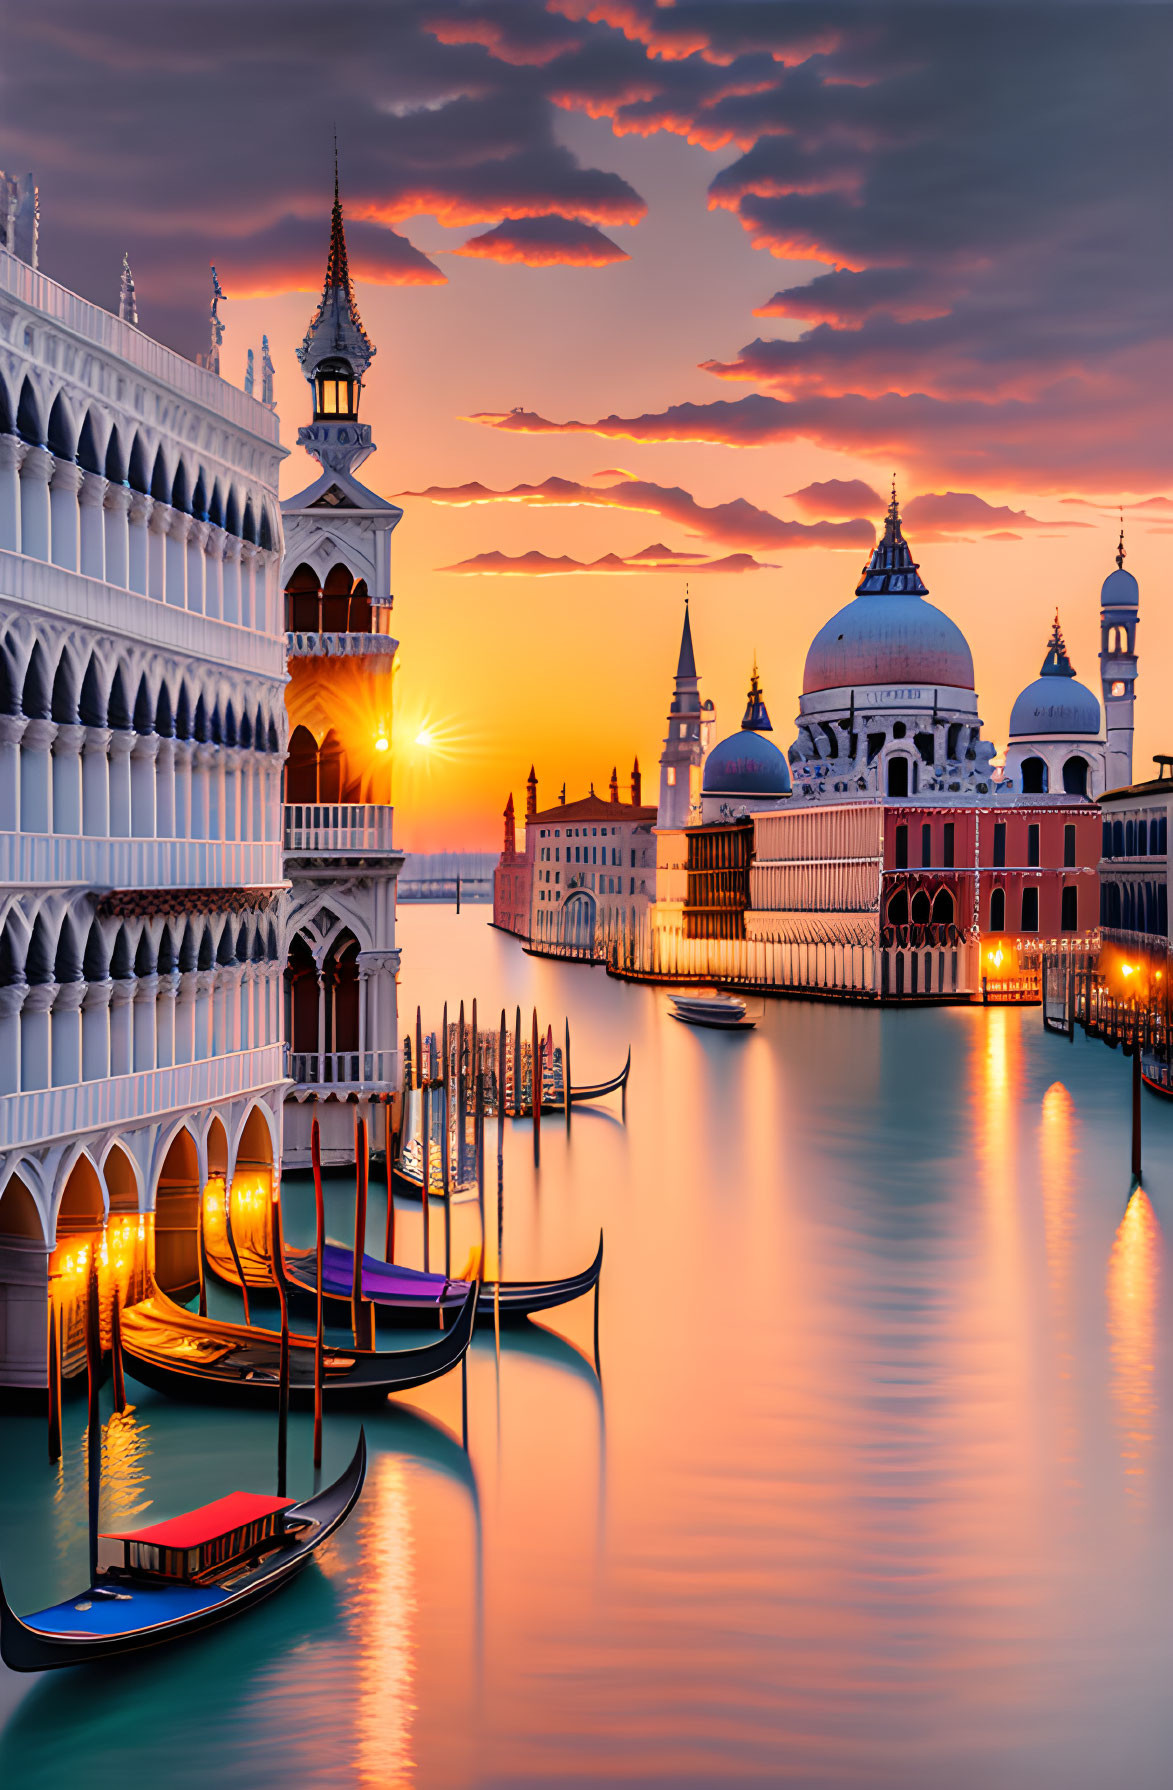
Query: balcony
(67,860)
(338,829)
(340,646)
(43,1114)
(344,1071)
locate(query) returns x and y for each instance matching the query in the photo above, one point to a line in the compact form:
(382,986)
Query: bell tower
(690,735)
(334,357)
(1119,608)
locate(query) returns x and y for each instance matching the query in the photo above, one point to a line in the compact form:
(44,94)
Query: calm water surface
(876,1489)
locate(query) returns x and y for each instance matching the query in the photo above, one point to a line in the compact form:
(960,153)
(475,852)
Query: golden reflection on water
(1134,1271)
(382,1613)
(1056,1172)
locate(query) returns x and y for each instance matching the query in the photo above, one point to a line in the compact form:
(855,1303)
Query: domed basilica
(888,708)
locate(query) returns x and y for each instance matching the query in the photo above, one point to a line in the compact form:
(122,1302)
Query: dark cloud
(546,242)
(940,515)
(540,565)
(734,524)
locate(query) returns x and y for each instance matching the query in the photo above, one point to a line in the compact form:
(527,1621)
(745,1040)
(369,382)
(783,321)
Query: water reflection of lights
(383,1618)
(1133,1291)
(1056,1174)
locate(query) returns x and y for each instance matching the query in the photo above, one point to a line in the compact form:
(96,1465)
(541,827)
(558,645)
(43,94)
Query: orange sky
(575,673)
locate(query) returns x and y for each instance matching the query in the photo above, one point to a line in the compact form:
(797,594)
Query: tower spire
(1120,546)
(334,356)
(756,718)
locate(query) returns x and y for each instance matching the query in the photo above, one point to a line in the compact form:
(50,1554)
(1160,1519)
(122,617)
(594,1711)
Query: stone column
(142,785)
(214,571)
(35,785)
(95,1031)
(11,733)
(145,990)
(95,783)
(165,789)
(64,487)
(92,498)
(205,982)
(184,751)
(158,527)
(232,547)
(244,1008)
(67,797)
(175,580)
(185,1015)
(36,470)
(230,765)
(215,809)
(122,995)
(248,578)
(12,997)
(116,509)
(66,1034)
(34,1035)
(165,1019)
(12,453)
(204,759)
(196,540)
(121,745)
(138,541)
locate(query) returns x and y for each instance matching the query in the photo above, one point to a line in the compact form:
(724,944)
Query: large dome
(746,765)
(887,639)
(889,634)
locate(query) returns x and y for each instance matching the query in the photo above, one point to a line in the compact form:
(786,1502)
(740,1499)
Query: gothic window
(335,393)
(1034,777)
(1030,909)
(898,909)
(898,776)
(942,908)
(1069,847)
(902,848)
(1069,920)
(999,844)
(948,848)
(1032,844)
(1075,777)
(921,909)
(998,911)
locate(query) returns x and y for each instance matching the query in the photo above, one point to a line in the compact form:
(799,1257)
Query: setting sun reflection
(1133,1292)
(383,1616)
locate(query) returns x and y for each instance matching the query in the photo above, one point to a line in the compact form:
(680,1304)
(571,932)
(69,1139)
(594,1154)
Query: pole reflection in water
(1134,1285)
(1057,1176)
(381,1616)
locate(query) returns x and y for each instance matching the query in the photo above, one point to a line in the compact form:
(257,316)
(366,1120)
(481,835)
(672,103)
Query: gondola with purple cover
(126,1609)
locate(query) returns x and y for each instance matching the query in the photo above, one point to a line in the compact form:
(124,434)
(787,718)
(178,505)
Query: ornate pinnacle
(127,303)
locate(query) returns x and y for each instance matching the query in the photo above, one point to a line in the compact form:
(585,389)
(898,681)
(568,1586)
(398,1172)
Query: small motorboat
(174,1578)
(724,1011)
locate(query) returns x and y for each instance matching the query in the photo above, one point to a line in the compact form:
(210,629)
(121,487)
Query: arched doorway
(301,767)
(1075,776)
(302,997)
(252,1194)
(24,1285)
(80,1219)
(943,910)
(578,920)
(176,1265)
(1034,777)
(340,978)
(898,776)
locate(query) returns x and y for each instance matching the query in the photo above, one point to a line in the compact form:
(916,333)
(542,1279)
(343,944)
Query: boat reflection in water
(1134,1284)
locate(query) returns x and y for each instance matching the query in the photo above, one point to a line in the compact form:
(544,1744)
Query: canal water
(875,1489)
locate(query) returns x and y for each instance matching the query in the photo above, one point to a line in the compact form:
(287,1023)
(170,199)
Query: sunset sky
(699,278)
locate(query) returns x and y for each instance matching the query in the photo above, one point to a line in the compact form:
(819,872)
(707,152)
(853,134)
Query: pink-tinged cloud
(549,241)
(542,565)
(290,257)
(847,298)
(526,37)
(1071,434)
(1154,506)
(737,523)
(938,515)
(838,497)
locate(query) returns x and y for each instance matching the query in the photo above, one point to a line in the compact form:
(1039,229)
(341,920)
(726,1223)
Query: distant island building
(142,731)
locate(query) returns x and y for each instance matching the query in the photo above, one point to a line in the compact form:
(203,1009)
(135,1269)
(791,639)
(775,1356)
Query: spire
(510,826)
(686,664)
(614,783)
(1056,663)
(636,786)
(336,331)
(891,570)
(1120,547)
(686,696)
(127,302)
(756,719)
(531,794)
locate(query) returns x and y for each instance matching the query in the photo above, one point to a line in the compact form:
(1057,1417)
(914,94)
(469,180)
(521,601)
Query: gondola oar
(536,1089)
(359,1312)
(566,1077)
(389,1234)
(319,1342)
(418,1065)
(278,1233)
(201,1264)
(94,1418)
(426,1134)
(54,1351)
(117,1372)
(501,1089)
(232,1246)
(518,1103)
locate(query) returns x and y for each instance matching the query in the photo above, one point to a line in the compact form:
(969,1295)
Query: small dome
(746,764)
(1119,590)
(1062,707)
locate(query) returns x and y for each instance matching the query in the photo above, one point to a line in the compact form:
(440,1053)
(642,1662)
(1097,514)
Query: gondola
(204,1359)
(401,1295)
(1157,1075)
(259,1543)
(725,1013)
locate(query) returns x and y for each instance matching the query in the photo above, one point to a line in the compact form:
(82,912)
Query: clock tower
(1119,605)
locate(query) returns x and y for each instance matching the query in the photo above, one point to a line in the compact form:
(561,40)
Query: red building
(1016,874)
(513,876)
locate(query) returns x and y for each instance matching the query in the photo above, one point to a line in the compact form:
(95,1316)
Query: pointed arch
(137,474)
(28,416)
(303,1006)
(95,963)
(232,513)
(177,1193)
(166,958)
(230,724)
(118,711)
(38,963)
(164,720)
(301,767)
(249,527)
(244,737)
(144,957)
(20,1215)
(207,956)
(216,506)
(12,954)
(188,949)
(7,416)
(114,465)
(121,962)
(34,695)
(82,1206)
(62,701)
(180,498)
(183,714)
(944,912)
(91,706)
(60,435)
(67,959)
(200,723)
(89,455)
(144,708)
(160,481)
(123,1189)
(199,497)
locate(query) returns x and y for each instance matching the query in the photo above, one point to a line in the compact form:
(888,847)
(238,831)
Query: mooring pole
(1136,1087)
(389,1237)
(566,1076)
(426,1134)
(361,1171)
(117,1371)
(518,1098)
(536,1090)
(94,1419)
(201,1266)
(319,1340)
(54,1380)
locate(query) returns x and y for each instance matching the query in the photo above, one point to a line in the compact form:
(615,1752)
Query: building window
(1070,916)
(902,848)
(898,776)
(1069,848)
(999,845)
(1130,839)
(1034,777)
(947,853)
(1032,844)
(1030,909)
(671,775)
(633,860)
(998,911)
(1106,839)
(926,845)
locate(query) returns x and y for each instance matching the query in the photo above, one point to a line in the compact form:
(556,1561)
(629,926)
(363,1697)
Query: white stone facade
(142,730)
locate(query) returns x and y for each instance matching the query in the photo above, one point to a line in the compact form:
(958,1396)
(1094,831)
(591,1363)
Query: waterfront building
(1134,862)
(1055,742)
(689,738)
(142,730)
(513,874)
(340,855)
